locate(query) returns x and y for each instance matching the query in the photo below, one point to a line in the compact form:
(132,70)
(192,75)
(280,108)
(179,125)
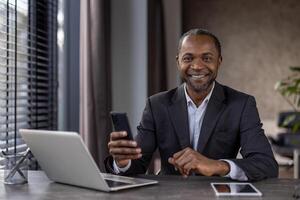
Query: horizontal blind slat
(28,71)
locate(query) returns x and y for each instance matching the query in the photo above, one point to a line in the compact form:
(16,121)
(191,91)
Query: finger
(181,171)
(185,175)
(185,154)
(189,156)
(179,153)
(188,168)
(183,160)
(122,143)
(185,151)
(172,162)
(200,166)
(177,168)
(127,157)
(126,151)
(118,135)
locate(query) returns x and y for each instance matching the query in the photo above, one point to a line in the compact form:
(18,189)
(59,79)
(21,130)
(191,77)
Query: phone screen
(235,189)
(121,123)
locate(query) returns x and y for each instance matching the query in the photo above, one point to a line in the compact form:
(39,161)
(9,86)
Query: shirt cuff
(235,172)
(118,170)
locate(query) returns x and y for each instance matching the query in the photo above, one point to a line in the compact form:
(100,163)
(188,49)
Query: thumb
(171,160)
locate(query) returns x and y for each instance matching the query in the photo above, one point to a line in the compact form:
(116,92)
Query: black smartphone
(121,123)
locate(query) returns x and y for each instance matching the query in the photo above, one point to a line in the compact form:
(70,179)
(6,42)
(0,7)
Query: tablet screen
(235,189)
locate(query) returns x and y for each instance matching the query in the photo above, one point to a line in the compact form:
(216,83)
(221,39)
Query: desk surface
(169,188)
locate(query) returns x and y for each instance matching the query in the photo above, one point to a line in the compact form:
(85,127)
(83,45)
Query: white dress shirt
(195,118)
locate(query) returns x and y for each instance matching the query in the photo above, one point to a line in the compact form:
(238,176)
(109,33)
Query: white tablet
(235,189)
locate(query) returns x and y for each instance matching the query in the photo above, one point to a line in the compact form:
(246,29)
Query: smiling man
(199,127)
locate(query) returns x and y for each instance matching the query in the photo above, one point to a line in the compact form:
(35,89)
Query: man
(198,127)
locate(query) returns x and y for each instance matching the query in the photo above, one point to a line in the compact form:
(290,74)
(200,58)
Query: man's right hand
(123,150)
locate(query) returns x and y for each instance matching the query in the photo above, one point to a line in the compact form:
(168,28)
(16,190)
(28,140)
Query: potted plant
(289,88)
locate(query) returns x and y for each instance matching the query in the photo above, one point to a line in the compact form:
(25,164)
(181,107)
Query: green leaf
(288,120)
(295,68)
(290,87)
(296,127)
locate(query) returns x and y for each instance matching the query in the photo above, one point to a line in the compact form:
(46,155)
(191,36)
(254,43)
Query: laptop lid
(65,159)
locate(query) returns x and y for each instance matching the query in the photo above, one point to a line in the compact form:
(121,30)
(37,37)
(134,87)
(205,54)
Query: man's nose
(197,64)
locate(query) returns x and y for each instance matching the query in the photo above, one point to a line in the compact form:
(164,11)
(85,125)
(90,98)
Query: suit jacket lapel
(213,111)
(179,117)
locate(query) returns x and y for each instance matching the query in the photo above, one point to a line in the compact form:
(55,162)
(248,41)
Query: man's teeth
(198,76)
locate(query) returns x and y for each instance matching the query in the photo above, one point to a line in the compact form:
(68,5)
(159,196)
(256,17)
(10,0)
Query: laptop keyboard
(112,183)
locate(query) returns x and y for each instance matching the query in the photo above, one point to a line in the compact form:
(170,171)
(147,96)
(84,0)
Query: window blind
(28,69)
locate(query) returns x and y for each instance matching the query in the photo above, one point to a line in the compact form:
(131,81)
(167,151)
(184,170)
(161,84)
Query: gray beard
(200,88)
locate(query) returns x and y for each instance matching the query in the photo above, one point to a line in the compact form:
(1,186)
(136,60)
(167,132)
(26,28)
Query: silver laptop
(65,159)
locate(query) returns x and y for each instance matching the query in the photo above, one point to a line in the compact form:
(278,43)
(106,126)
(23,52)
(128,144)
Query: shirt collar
(190,101)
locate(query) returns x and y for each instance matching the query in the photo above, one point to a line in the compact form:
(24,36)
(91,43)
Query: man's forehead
(198,40)
(203,42)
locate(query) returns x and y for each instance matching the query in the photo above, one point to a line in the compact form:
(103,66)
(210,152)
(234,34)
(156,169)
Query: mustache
(199,72)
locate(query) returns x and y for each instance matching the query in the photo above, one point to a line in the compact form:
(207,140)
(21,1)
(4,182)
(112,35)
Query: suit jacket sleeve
(258,161)
(146,139)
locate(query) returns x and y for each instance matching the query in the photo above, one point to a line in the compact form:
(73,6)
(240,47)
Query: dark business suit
(231,122)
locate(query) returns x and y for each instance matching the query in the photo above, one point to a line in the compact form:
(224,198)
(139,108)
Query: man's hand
(188,160)
(123,150)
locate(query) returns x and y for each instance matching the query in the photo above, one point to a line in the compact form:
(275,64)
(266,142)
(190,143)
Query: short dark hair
(198,31)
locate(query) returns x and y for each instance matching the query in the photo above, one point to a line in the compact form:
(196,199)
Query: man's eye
(187,59)
(207,59)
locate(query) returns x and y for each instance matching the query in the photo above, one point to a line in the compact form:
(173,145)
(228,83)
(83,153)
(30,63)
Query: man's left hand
(188,160)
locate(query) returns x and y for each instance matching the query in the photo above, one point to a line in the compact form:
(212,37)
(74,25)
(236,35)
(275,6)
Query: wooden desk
(169,188)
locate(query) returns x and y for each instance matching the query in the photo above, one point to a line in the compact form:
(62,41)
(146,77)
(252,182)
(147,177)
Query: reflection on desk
(169,187)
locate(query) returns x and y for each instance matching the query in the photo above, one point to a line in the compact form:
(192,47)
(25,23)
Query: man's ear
(177,61)
(220,60)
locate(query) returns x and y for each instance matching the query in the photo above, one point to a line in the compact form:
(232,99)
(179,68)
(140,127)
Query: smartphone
(235,189)
(120,123)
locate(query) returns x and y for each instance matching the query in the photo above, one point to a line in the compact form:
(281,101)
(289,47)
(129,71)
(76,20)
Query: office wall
(260,40)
